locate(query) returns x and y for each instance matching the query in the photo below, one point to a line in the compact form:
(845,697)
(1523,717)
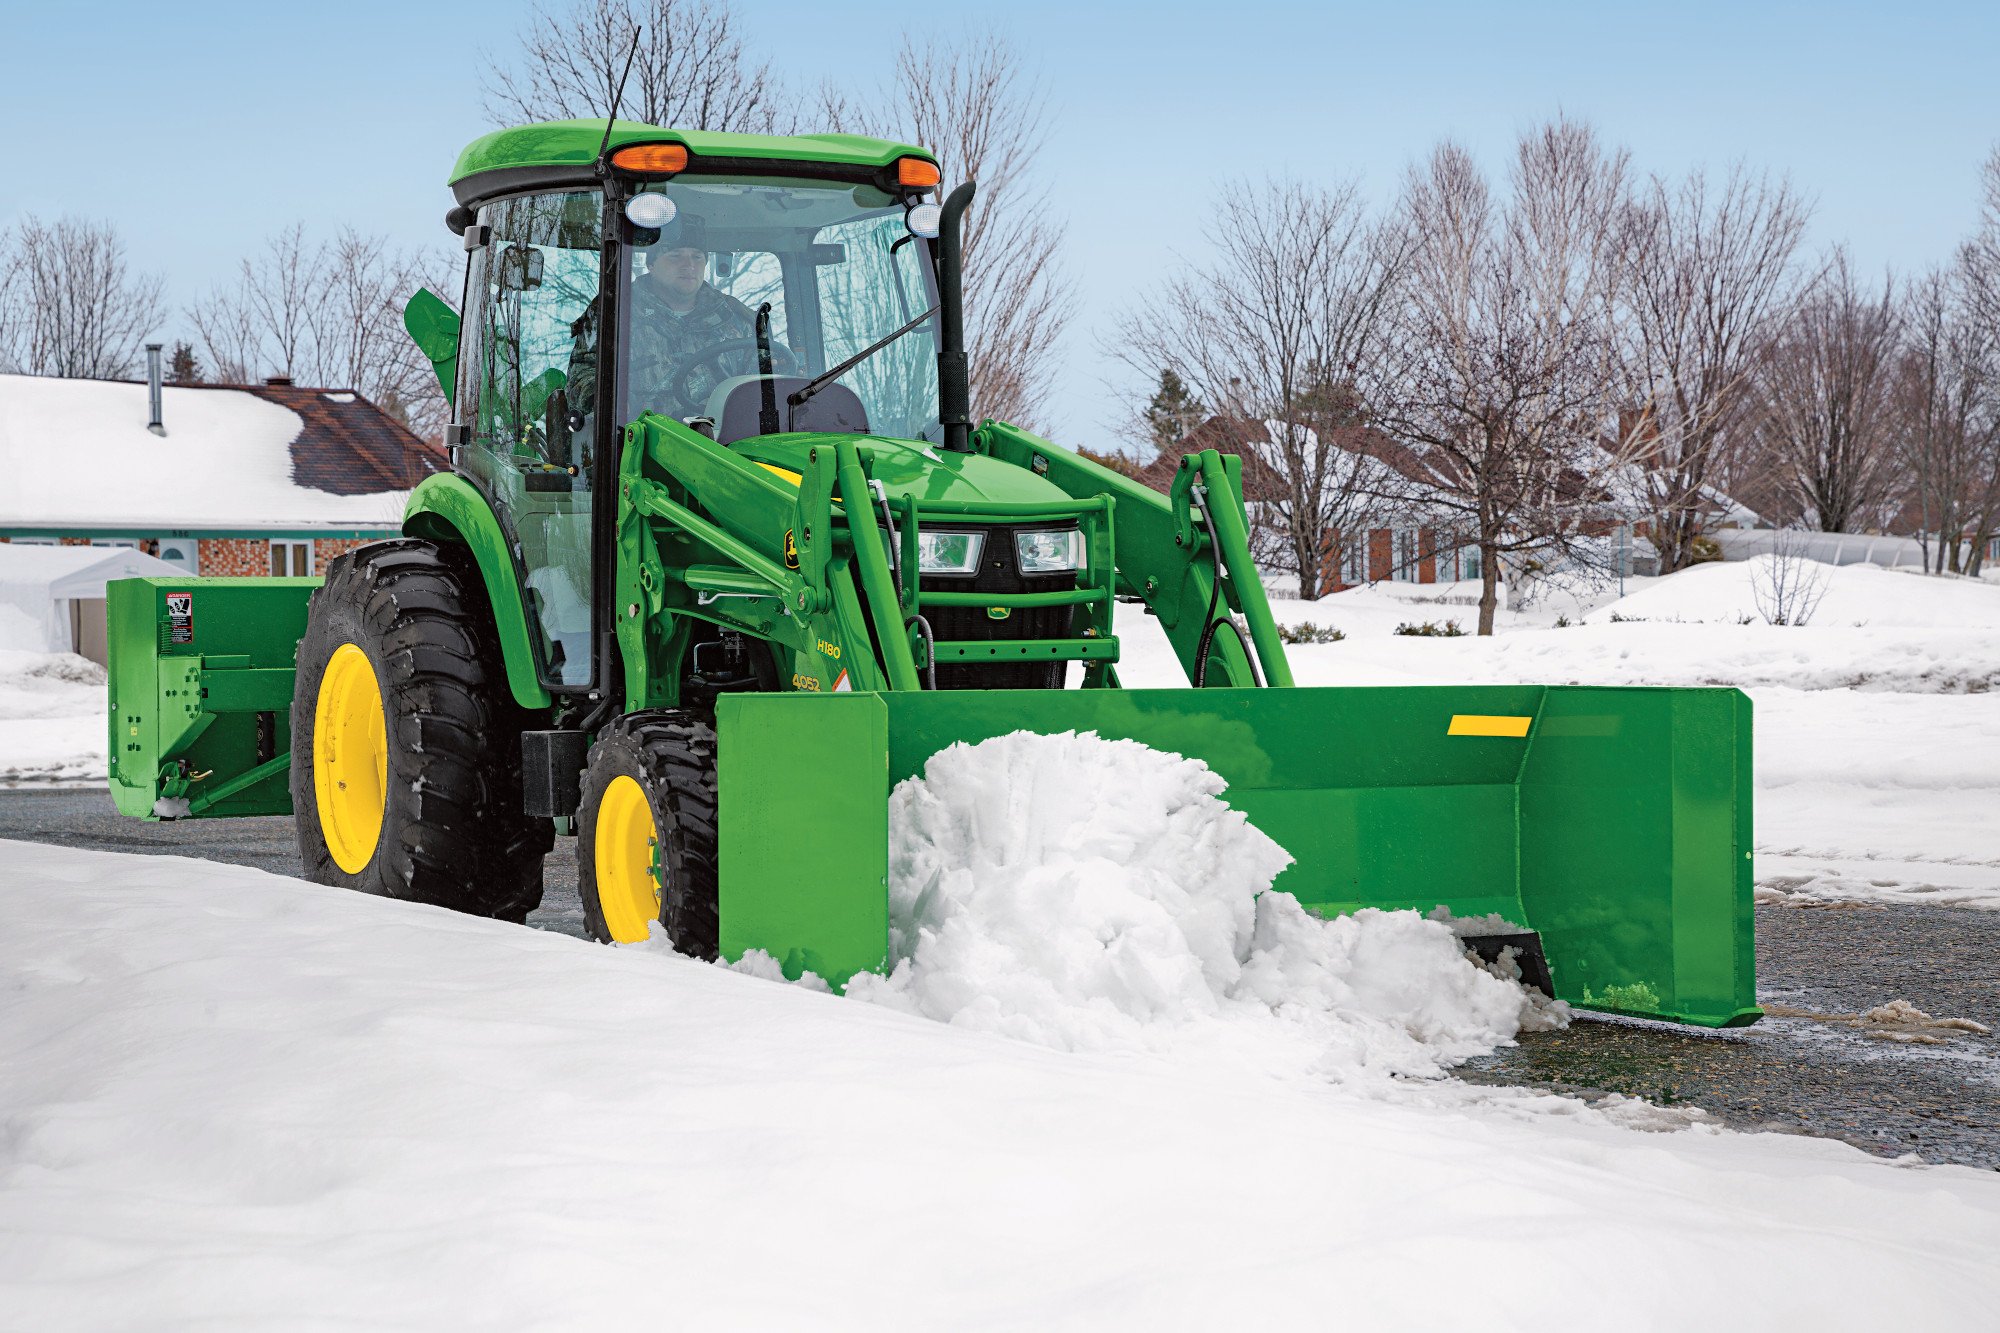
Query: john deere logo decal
(791,551)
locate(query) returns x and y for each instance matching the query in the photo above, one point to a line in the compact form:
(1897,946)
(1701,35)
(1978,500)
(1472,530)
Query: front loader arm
(1165,556)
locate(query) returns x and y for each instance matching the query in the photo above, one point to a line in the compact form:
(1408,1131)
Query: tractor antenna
(618,98)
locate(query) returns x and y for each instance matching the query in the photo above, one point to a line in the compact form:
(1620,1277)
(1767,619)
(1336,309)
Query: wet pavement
(1890,1089)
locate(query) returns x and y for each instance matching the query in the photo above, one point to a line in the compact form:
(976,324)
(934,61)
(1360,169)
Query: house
(241,479)
(1403,544)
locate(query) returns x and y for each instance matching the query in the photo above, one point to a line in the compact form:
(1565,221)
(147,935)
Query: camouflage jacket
(661,339)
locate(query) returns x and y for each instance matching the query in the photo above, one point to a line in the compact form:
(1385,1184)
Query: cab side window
(538,337)
(528,375)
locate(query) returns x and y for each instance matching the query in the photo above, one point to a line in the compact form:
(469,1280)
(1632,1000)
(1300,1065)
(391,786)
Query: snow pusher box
(700,588)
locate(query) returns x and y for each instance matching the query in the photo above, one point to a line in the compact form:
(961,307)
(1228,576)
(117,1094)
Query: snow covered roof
(1242,435)
(77,454)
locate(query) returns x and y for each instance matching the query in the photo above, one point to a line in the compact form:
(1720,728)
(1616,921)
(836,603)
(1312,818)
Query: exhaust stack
(153,422)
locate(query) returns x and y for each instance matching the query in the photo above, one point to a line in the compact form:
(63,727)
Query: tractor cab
(743,298)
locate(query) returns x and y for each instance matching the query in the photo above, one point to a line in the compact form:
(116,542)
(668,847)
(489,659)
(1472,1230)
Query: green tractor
(722,556)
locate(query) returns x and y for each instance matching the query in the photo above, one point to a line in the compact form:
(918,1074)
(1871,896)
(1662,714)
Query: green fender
(446,507)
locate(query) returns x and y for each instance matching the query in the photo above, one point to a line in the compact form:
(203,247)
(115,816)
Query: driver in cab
(676,316)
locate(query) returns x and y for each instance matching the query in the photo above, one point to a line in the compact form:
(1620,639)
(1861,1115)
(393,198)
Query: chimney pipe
(154,424)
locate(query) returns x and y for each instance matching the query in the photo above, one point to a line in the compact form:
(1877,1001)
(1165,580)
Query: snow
(1092,894)
(1854,595)
(238,1101)
(52,718)
(77,454)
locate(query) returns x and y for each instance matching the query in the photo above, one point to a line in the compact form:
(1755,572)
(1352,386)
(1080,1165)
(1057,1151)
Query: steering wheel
(675,381)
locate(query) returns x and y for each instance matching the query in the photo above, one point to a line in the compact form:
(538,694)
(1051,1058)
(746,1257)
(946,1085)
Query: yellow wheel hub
(627,860)
(350,758)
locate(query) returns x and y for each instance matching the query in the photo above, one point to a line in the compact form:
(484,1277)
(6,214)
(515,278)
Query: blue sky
(201,128)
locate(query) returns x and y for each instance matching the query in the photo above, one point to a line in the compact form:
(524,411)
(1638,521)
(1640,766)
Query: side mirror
(433,327)
(520,268)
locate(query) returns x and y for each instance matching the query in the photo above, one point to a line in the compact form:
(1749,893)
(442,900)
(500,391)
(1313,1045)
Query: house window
(1468,562)
(1354,559)
(291,558)
(1404,553)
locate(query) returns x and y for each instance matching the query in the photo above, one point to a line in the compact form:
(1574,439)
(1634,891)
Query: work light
(1049,552)
(949,552)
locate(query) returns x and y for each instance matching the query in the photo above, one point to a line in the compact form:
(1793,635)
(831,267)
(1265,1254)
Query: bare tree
(690,72)
(1824,415)
(1504,374)
(1709,273)
(971,104)
(1787,584)
(1947,412)
(327,314)
(70,305)
(1277,328)
(1980,262)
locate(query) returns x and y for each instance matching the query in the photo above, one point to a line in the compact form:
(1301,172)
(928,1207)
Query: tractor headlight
(949,552)
(1049,552)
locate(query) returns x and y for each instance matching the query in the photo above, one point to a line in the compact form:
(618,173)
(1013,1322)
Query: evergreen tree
(1172,412)
(183,366)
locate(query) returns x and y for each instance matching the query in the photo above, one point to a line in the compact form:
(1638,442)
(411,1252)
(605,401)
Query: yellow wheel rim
(627,858)
(350,758)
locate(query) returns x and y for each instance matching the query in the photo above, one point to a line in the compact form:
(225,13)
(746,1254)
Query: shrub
(1432,629)
(1704,550)
(1310,633)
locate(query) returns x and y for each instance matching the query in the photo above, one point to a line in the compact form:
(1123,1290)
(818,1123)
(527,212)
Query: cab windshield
(834,263)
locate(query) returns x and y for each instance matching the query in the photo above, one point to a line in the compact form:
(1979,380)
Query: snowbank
(237,1101)
(52,718)
(1849,595)
(1093,894)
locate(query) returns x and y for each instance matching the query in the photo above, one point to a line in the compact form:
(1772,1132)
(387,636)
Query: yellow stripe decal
(786,473)
(1477,724)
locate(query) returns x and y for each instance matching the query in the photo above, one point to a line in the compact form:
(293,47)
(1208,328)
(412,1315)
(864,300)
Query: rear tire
(646,831)
(406,754)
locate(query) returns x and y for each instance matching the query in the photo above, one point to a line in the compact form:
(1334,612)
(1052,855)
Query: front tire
(646,832)
(406,756)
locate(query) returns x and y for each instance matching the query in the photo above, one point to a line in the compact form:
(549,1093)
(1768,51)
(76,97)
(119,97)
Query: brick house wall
(250,557)
(1381,555)
(326,548)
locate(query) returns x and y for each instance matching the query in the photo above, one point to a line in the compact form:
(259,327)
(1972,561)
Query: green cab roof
(573,143)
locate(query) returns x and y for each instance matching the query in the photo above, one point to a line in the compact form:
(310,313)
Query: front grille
(998,574)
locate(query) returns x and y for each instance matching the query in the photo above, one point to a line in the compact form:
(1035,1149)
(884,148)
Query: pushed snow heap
(1086,893)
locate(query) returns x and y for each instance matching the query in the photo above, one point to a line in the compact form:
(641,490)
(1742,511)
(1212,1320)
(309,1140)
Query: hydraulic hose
(1209,622)
(930,651)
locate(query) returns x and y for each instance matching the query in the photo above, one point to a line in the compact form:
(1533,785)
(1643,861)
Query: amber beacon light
(654,159)
(916,172)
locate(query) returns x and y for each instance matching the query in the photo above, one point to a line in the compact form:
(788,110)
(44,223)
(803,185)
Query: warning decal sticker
(180,617)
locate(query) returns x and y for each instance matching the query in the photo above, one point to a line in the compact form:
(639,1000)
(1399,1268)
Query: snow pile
(52,723)
(1849,595)
(1093,894)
